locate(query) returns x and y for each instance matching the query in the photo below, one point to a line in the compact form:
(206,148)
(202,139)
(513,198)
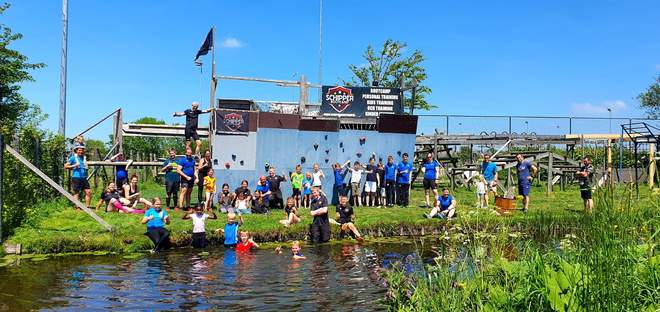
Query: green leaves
(563,285)
(650,99)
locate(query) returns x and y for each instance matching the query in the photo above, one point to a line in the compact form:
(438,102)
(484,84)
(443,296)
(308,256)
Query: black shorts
(172,187)
(120,182)
(79,184)
(191,133)
(296,192)
(189,184)
(585,194)
(319,232)
(199,240)
(430,184)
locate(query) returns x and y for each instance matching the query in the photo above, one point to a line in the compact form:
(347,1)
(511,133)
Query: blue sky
(483,57)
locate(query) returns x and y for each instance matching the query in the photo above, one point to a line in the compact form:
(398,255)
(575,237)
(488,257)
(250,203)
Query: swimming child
(481,193)
(296,184)
(297,251)
(199,225)
(307,189)
(231,230)
(209,189)
(246,243)
(291,212)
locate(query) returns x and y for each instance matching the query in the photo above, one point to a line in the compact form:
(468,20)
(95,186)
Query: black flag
(206,46)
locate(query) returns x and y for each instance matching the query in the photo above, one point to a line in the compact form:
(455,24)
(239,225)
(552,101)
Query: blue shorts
(523,188)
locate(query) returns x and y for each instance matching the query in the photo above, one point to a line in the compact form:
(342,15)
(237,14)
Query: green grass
(60,229)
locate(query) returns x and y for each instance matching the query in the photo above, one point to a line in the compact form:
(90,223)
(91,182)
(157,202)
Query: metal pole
(509,126)
(570,125)
(2,153)
(621,151)
(63,65)
(447,124)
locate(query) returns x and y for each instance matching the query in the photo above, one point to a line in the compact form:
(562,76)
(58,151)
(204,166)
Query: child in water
(246,243)
(291,212)
(231,230)
(199,225)
(296,251)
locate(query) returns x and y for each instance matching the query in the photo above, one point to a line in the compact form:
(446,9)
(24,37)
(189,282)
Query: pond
(333,277)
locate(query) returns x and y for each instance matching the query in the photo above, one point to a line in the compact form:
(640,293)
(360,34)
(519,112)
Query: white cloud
(232,43)
(589,109)
(657,67)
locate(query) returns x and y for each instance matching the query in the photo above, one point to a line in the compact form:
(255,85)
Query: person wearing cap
(79,182)
(192,119)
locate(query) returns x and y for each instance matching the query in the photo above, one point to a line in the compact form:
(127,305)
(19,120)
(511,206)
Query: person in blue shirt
(231,230)
(445,206)
(264,187)
(489,171)
(189,170)
(78,164)
(525,170)
(390,169)
(155,218)
(339,189)
(173,176)
(121,171)
(431,170)
(404,169)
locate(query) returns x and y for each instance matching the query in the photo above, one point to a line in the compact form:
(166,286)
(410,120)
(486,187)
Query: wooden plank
(52,183)
(124,163)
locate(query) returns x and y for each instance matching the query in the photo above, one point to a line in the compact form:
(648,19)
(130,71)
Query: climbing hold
(341,144)
(233,157)
(327,160)
(398,153)
(316,146)
(215,162)
(362,140)
(302,159)
(359,155)
(326,137)
(241,162)
(227,165)
(343,150)
(327,151)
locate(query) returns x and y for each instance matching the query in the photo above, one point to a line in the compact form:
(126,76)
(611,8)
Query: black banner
(360,101)
(231,122)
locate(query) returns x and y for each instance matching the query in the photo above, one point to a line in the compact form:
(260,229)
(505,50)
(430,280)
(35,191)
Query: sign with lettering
(342,101)
(231,122)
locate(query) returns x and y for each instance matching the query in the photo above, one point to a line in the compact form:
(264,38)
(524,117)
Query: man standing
(320,227)
(188,168)
(173,176)
(431,170)
(584,176)
(489,170)
(403,183)
(190,132)
(390,180)
(274,181)
(525,170)
(79,176)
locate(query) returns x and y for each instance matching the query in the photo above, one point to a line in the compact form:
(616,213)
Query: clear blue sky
(488,57)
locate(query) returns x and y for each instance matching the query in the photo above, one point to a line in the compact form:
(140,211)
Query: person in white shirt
(318,176)
(198,218)
(356,177)
(482,201)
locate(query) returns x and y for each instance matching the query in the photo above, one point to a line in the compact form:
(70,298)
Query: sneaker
(426,215)
(360,239)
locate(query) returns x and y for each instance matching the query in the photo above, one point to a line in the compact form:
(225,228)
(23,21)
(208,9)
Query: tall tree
(650,99)
(388,66)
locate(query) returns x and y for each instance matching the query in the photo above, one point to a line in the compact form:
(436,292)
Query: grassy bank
(608,263)
(60,229)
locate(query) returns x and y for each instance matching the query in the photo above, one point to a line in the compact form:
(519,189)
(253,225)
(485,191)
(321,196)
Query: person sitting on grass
(209,189)
(291,212)
(246,243)
(264,187)
(225,199)
(155,218)
(345,216)
(231,230)
(445,206)
(242,204)
(258,203)
(131,192)
(199,225)
(114,202)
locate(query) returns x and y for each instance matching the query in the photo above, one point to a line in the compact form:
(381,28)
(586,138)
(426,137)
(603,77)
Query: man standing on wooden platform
(192,118)
(525,171)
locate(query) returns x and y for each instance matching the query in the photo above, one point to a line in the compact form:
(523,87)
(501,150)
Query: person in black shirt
(345,217)
(190,131)
(320,227)
(275,200)
(371,186)
(584,176)
(244,189)
(202,171)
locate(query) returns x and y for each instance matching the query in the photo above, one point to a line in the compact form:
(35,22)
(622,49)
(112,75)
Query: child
(297,251)
(296,183)
(210,189)
(356,176)
(382,198)
(481,192)
(258,203)
(231,230)
(246,243)
(242,204)
(291,213)
(307,189)
(345,219)
(199,225)
(225,199)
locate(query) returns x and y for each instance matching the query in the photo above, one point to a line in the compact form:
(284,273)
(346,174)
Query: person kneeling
(155,218)
(345,217)
(444,208)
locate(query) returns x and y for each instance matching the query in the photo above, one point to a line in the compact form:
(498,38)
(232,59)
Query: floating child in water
(297,251)
(231,230)
(199,225)
(246,243)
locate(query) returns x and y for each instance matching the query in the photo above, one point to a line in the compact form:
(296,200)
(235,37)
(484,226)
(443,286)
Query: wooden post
(651,175)
(550,158)
(610,172)
(435,146)
(304,94)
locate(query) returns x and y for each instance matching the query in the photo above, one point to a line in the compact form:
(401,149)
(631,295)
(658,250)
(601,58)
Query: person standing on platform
(431,171)
(390,180)
(489,171)
(526,170)
(203,168)
(78,163)
(189,170)
(404,169)
(192,118)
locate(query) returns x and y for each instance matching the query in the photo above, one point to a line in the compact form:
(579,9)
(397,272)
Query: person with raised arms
(192,121)
(155,218)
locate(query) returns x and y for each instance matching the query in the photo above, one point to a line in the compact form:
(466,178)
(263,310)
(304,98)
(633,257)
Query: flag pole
(213,86)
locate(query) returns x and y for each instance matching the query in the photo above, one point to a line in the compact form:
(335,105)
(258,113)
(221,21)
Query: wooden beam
(52,183)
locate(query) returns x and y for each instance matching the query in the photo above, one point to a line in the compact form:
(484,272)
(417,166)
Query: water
(333,277)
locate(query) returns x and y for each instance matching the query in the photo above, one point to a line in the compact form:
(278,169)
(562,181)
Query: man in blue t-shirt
(155,218)
(489,170)
(404,169)
(339,188)
(390,180)
(445,206)
(526,170)
(431,170)
(77,163)
(189,170)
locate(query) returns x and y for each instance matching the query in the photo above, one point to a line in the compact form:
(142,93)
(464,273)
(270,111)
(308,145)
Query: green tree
(388,66)
(650,99)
